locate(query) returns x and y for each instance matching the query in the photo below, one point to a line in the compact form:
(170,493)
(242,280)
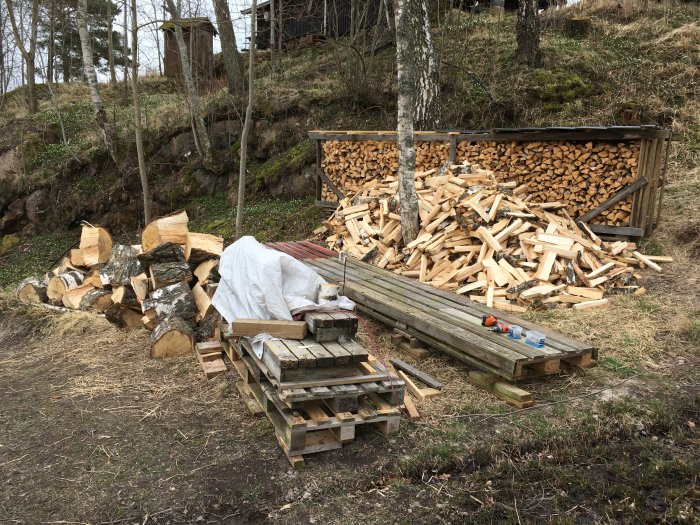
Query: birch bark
(528,33)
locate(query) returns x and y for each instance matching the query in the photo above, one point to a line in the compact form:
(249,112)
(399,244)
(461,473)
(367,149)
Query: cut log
(206,329)
(150,319)
(165,274)
(168,252)
(61,283)
(126,296)
(123,317)
(32,290)
(97,300)
(97,278)
(175,300)
(206,272)
(72,298)
(171,228)
(202,246)
(122,265)
(95,245)
(65,266)
(172,337)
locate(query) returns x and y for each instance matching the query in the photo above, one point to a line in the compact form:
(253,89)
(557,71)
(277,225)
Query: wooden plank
(300,349)
(619,196)
(411,409)
(624,231)
(276,328)
(419,393)
(590,304)
(418,374)
(647,261)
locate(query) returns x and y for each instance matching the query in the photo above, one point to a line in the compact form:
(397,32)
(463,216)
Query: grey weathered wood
(418,374)
(342,356)
(358,352)
(626,231)
(298,348)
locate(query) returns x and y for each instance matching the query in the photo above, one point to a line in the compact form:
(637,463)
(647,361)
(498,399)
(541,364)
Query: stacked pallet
(314,390)
(487,240)
(164,284)
(580,175)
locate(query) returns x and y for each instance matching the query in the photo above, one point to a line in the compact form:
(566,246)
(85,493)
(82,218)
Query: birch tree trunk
(528,33)
(89,69)
(28,54)
(425,64)
(200,130)
(143,174)
(407,87)
(247,123)
(229,50)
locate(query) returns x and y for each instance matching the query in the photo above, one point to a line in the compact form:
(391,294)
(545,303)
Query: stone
(8,242)
(224,134)
(37,205)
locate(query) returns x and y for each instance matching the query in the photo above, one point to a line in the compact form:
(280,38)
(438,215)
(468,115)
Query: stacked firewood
(165,284)
(487,240)
(579,175)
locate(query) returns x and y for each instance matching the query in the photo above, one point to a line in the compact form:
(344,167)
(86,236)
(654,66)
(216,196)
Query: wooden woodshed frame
(647,189)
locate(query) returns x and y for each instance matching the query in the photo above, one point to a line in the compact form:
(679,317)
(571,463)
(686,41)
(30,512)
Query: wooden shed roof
(188,23)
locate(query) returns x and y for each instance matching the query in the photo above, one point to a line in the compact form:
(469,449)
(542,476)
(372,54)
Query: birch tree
(89,69)
(528,33)
(418,99)
(28,53)
(229,50)
(143,174)
(110,45)
(247,123)
(199,129)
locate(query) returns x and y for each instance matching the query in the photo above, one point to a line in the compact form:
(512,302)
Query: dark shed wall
(200,47)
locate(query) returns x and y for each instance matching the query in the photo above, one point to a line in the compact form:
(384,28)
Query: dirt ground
(94,431)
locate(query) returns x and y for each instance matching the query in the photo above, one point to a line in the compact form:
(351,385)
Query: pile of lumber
(580,175)
(487,240)
(165,284)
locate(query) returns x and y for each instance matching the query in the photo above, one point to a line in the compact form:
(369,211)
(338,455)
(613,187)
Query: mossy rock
(286,165)
(8,242)
(555,88)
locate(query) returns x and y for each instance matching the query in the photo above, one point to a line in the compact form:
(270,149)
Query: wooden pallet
(443,320)
(315,425)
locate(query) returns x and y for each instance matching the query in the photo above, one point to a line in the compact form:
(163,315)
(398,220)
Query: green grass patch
(33,256)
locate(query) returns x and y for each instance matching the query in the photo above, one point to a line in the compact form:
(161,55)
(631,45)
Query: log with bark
(123,317)
(167,273)
(95,245)
(71,298)
(60,284)
(171,228)
(163,253)
(125,296)
(123,264)
(97,300)
(32,290)
(202,246)
(175,300)
(141,285)
(172,337)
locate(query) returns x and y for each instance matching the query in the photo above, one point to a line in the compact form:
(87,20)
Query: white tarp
(260,283)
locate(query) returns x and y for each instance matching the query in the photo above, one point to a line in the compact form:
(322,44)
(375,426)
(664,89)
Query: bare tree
(247,122)
(28,54)
(137,117)
(418,99)
(229,51)
(125,54)
(198,127)
(157,38)
(528,33)
(89,69)
(110,44)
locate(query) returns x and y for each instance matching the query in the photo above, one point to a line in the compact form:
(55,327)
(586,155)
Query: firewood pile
(165,284)
(489,240)
(579,175)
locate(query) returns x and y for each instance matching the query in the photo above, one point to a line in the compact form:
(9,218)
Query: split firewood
(202,300)
(126,296)
(202,246)
(480,238)
(95,245)
(207,271)
(171,228)
(71,298)
(60,284)
(165,274)
(141,285)
(172,337)
(32,290)
(76,257)
(123,317)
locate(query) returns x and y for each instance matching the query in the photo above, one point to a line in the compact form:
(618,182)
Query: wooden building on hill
(199,36)
(321,18)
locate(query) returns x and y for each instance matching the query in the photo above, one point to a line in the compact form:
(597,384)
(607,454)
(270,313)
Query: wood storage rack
(614,176)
